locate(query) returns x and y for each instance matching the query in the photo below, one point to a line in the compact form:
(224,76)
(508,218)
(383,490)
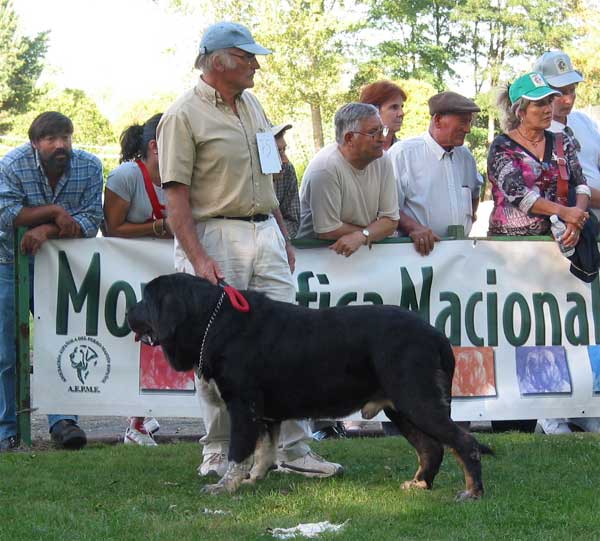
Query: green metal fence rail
(23,390)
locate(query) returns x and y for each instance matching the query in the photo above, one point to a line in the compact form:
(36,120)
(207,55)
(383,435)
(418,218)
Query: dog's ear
(171,313)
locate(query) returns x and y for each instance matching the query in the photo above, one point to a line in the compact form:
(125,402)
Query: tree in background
(91,126)
(93,131)
(141,111)
(305,72)
(306,37)
(497,32)
(421,39)
(584,55)
(21,63)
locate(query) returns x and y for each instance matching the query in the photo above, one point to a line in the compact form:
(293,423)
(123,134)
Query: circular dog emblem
(561,66)
(83,364)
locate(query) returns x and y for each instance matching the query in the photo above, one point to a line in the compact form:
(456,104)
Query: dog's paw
(468,495)
(414,484)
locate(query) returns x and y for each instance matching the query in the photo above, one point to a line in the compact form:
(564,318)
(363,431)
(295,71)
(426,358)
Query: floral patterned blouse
(518,179)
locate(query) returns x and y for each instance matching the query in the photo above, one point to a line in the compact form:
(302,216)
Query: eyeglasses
(384,130)
(247,57)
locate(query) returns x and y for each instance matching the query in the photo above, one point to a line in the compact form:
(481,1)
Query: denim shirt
(23,183)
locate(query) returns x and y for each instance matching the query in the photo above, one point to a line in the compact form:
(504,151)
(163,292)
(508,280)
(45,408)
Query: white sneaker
(554,426)
(140,438)
(310,465)
(213,463)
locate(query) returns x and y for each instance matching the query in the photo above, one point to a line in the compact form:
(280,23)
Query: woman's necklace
(534,142)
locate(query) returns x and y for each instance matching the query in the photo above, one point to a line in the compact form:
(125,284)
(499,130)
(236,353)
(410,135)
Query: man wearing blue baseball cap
(557,69)
(225,215)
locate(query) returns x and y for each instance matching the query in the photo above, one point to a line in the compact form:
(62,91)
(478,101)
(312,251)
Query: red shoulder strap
(562,187)
(157,208)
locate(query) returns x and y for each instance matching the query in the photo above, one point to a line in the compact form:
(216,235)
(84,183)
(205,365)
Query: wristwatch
(367,235)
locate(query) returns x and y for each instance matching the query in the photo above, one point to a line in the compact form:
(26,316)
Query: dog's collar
(208,325)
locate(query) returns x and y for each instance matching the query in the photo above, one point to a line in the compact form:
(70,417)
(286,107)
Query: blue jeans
(8,359)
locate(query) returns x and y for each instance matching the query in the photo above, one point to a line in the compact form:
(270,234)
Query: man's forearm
(344,229)
(281,223)
(32,216)
(595,200)
(182,223)
(382,228)
(406,224)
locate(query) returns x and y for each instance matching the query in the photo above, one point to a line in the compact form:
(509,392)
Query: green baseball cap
(531,86)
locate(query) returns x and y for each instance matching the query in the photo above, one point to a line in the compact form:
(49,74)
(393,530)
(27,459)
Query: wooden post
(23,368)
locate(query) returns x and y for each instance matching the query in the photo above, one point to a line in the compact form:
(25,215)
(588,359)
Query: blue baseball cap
(224,35)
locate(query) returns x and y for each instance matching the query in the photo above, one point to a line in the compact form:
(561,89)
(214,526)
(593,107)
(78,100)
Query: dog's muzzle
(147,339)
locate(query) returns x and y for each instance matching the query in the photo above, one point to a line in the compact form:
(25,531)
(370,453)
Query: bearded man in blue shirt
(55,192)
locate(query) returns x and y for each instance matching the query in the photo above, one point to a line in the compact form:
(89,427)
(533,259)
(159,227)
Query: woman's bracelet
(156,234)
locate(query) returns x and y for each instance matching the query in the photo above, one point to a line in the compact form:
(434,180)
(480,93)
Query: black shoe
(67,435)
(8,444)
(526,425)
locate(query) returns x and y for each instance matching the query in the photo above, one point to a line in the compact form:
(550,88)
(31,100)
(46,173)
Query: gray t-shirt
(334,192)
(127,182)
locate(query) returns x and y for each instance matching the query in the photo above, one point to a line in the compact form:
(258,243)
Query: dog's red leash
(237,300)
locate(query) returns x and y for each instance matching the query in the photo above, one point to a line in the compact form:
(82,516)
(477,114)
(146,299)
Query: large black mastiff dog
(280,361)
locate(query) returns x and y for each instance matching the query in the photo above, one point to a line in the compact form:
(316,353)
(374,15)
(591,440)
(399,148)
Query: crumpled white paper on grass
(310,530)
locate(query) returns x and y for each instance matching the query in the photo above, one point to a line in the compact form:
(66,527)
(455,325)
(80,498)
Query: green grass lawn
(537,487)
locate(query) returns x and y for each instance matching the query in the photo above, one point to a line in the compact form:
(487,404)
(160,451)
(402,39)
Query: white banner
(525,331)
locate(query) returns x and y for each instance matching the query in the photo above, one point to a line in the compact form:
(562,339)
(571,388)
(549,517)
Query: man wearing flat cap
(438,182)
(224,213)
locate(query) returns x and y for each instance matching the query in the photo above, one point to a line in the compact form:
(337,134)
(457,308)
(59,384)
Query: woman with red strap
(525,170)
(134,207)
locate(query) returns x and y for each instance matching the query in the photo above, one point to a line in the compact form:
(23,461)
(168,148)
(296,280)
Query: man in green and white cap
(225,215)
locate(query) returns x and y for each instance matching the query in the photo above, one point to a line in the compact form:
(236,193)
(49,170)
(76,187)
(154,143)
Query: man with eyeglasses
(557,69)
(224,213)
(348,192)
(437,178)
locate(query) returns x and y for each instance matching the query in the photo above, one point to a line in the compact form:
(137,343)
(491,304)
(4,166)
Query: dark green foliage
(21,63)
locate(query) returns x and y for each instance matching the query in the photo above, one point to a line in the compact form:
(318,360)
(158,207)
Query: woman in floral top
(523,167)
(523,170)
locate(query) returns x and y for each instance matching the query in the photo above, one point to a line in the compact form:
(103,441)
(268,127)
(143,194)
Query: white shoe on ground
(554,426)
(310,465)
(213,463)
(133,436)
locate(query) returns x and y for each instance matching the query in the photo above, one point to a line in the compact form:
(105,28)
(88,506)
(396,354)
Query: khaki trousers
(252,256)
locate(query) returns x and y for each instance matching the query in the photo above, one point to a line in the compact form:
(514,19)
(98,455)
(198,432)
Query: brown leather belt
(254,218)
